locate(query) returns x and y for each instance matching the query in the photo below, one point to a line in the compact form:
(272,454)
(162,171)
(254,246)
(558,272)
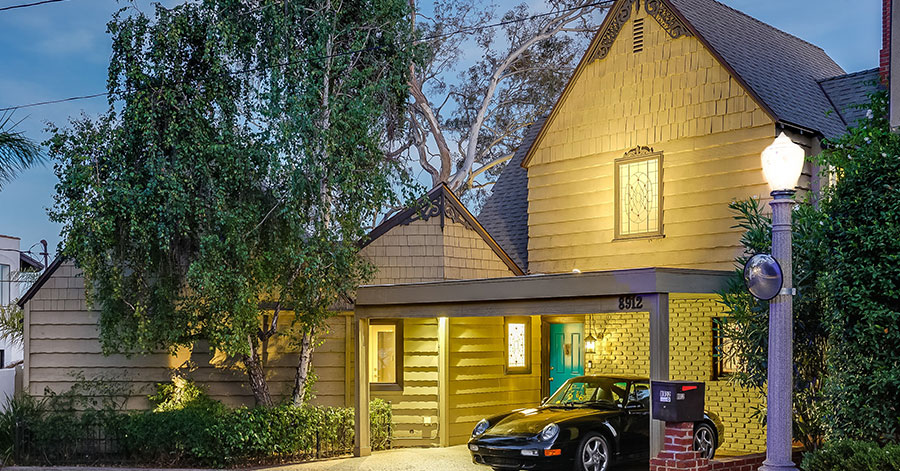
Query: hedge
(202,433)
(853,455)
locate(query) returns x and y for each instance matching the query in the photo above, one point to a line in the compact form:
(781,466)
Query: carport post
(659,360)
(361,446)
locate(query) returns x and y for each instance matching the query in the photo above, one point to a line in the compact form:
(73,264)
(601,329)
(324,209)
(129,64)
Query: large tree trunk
(302,376)
(257,377)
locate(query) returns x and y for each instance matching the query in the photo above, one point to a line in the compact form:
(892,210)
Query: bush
(186,428)
(856,455)
(861,228)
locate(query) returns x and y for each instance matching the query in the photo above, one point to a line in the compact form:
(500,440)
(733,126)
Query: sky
(60,50)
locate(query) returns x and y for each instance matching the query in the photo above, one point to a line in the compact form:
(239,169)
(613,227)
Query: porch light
(782,163)
(590,343)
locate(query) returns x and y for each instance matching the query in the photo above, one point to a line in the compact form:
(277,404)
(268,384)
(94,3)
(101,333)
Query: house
(12,262)
(601,249)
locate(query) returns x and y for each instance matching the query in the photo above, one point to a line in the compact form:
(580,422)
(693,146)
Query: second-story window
(639,194)
(5,283)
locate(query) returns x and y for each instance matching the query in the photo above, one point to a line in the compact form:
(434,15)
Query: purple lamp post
(782,165)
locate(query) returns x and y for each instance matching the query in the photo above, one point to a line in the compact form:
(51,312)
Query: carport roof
(517,295)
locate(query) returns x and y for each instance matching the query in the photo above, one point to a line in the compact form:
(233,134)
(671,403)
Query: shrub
(856,455)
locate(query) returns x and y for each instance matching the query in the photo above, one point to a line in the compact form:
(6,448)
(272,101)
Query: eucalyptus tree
(466,122)
(230,179)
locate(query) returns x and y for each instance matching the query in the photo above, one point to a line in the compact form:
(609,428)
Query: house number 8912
(631,302)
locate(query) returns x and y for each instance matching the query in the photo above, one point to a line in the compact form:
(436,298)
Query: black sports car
(589,424)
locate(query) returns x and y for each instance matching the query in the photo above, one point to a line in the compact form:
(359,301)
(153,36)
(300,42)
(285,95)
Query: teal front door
(566,353)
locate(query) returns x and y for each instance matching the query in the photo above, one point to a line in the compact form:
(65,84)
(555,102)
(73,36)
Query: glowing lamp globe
(590,344)
(782,163)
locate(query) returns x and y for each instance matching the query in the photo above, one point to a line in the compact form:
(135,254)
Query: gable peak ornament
(621,12)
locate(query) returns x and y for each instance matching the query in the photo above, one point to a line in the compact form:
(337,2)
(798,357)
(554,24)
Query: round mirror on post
(763,276)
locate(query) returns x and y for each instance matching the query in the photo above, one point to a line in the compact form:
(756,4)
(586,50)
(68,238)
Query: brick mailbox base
(678,450)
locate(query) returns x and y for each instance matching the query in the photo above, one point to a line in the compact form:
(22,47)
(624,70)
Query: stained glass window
(638,195)
(516,345)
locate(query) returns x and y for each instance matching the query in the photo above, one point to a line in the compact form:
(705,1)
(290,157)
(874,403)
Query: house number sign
(631,302)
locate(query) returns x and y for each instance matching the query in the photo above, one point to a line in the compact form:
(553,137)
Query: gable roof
(848,92)
(54,265)
(780,71)
(441,202)
(505,213)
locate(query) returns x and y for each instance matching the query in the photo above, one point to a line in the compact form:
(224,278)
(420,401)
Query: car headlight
(480,427)
(550,432)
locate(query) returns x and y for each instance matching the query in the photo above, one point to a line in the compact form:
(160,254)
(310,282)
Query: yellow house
(609,229)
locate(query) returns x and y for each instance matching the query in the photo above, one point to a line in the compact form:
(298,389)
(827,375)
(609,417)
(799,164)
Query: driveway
(454,458)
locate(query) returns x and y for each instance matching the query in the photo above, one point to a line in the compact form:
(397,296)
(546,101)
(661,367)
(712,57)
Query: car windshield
(607,391)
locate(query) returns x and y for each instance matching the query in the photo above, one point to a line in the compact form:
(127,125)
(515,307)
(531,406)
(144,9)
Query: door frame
(545,346)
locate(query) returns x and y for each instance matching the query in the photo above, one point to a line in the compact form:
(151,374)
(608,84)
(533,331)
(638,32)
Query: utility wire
(329,56)
(33,4)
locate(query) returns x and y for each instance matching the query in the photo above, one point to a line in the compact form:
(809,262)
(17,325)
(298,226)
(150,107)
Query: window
(518,345)
(5,283)
(2,358)
(724,362)
(386,355)
(639,194)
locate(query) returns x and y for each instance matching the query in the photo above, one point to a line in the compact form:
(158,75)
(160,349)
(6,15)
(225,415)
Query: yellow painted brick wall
(676,98)
(623,344)
(691,345)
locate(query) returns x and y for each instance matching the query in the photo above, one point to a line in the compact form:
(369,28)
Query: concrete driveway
(454,458)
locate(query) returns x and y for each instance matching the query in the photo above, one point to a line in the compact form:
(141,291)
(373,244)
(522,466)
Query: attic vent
(638,35)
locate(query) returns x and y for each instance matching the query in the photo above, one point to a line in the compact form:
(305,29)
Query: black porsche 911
(589,424)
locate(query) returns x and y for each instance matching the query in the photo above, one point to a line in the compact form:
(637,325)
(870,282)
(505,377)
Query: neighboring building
(611,222)
(12,262)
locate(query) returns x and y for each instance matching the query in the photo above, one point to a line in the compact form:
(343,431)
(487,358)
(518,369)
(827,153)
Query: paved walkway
(455,458)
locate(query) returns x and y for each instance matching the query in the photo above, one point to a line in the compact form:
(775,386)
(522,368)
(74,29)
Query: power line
(33,4)
(329,56)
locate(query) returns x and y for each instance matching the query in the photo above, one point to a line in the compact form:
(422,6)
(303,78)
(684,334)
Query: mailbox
(678,401)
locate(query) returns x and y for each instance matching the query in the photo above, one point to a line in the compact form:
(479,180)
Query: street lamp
(782,164)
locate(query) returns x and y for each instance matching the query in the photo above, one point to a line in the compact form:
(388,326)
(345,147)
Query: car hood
(532,421)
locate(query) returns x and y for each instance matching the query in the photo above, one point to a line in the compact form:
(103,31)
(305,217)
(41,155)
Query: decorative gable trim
(620,13)
(667,18)
(441,203)
(666,14)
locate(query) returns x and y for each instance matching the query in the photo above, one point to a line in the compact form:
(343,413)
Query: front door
(566,353)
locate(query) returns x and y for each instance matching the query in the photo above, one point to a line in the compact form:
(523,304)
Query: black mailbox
(678,401)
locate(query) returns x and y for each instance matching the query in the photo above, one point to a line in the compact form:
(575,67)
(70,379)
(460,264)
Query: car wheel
(593,453)
(705,440)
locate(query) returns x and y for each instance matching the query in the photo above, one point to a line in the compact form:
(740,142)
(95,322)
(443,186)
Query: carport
(636,290)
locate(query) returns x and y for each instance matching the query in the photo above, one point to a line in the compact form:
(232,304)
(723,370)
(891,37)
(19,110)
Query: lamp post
(782,164)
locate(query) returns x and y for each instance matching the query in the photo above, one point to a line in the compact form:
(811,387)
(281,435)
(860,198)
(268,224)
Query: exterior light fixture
(590,344)
(782,163)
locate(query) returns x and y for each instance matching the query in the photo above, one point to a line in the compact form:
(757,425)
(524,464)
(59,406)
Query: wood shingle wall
(676,98)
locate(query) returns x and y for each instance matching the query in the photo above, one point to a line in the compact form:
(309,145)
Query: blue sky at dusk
(61,49)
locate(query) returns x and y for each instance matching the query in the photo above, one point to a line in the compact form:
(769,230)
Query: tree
(861,229)
(472,125)
(236,179)
(17,153)
(747,325)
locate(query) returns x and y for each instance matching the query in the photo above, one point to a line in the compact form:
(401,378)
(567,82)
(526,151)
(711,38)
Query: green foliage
(382,428)
(856,455)
(181,394)
(238,165)
(17,153)
(12,324)
(191,430)
(861,279)
(748,323)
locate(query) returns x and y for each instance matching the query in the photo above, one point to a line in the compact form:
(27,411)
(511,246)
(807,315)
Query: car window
(590,391)
(640,392)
